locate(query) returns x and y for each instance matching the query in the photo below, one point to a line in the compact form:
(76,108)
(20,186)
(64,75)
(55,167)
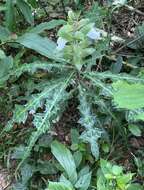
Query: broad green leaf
(26,10)
(117,170)
(64,180)
(128,96)
(6,65)
(83,182)
(65,158)
(58,186)
(123,180)
(101,181)
(106,168)
(135,186)
(2,54)
(10,15)
(77,158)
(40,44)
(4,34)
(47,26)
(135,130)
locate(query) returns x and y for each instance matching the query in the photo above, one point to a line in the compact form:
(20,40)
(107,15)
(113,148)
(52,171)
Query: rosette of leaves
(67,73)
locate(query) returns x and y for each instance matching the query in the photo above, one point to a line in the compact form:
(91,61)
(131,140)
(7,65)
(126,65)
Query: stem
(134,10)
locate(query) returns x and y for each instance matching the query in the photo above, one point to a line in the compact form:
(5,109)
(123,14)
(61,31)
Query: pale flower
(61,42)
(94,34)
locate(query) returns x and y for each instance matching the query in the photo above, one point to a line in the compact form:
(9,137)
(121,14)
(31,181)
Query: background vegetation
(71,95)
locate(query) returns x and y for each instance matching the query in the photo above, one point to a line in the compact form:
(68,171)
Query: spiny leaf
(114,77)
(88,120)
(55,98)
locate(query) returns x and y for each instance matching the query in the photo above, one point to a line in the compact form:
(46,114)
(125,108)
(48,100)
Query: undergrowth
(39,76)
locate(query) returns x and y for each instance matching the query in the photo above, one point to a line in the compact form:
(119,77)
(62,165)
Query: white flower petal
(61,42)
(32,112)
(94,34)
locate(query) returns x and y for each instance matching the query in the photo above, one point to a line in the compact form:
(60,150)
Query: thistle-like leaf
(114,77)
(55,98)
(89,121)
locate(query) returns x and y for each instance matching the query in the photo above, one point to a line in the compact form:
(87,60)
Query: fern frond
(89,121)
(55,99)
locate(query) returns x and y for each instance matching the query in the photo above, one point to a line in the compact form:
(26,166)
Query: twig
(134,10)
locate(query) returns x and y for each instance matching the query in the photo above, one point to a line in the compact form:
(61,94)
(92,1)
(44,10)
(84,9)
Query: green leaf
(10,15)
(135,130)
(19,152)
(117,170)
(26,10)
(38,65)
(135,115)
(65,158)
(77,158)
(26,173)
(47,26)
(58,186)
(88,120)
(123,180)
(83,182)
(46,167)
(114,77)
(74,136)
(128,96)
(101,181)
(116,67)
(106,168)
(6,65)
(2,54)
(4,34)
(135,186)
(44,46)
(55,97)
